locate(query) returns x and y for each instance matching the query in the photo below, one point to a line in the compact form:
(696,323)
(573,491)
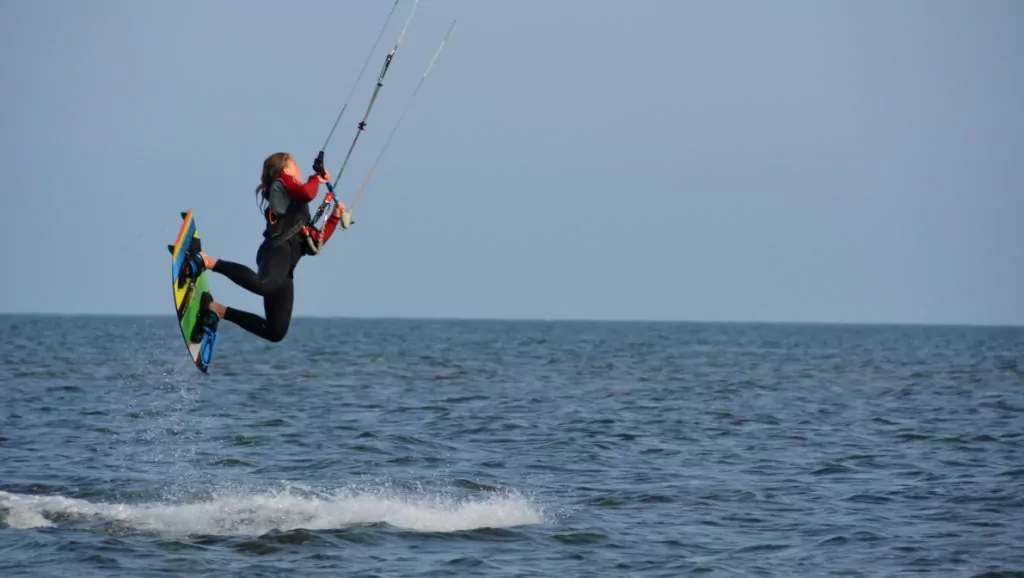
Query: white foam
(242,513)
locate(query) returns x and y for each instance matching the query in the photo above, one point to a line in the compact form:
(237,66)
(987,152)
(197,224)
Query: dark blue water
(394,448)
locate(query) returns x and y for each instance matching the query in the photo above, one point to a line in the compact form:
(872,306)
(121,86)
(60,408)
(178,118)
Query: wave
(242,513)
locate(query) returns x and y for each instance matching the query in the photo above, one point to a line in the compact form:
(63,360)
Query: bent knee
(276,334)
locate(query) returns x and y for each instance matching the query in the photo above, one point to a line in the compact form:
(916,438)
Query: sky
(808,161)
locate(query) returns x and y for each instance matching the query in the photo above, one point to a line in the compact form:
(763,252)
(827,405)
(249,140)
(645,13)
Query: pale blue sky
(799,161)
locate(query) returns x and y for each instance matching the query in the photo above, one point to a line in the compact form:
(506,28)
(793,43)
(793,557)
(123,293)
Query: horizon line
(558,320)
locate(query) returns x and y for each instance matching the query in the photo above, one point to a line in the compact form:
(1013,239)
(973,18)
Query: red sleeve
(329,227)
(299,192)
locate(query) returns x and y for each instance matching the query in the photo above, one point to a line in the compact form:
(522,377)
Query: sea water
(486,448)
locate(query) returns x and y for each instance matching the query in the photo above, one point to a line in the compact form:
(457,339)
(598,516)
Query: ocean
(504,448)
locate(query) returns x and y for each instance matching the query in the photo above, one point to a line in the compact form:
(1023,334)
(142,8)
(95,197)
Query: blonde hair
(273,166)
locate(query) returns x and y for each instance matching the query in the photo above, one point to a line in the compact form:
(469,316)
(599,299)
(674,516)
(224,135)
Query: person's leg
(273,282)
(273,270)
(278,309)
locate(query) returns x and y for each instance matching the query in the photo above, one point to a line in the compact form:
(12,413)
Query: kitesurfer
(287,238)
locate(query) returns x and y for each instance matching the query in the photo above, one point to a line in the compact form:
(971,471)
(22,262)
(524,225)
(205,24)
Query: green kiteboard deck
(187,292)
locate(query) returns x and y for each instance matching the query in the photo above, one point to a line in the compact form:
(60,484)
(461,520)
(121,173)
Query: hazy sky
(803,161)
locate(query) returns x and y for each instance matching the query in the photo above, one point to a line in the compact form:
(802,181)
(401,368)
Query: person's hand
(339,209)
(342,214)
(326,177)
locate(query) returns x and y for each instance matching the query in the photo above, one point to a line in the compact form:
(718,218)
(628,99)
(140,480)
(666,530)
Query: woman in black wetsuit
(286,240)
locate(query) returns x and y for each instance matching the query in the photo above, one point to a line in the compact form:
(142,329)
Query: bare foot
(208,261)
(218,309)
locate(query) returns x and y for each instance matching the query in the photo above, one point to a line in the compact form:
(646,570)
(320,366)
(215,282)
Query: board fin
(170,249)
(183,215)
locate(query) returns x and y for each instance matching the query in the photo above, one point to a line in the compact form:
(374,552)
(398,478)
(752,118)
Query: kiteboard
(188,290)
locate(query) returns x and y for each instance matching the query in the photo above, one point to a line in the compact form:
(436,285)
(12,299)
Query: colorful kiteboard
(188,288)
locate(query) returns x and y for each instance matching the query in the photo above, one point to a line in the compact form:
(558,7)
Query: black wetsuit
(282,247)
(274,282)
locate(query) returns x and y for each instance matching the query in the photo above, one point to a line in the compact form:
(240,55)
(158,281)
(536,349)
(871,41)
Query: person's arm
(302,193)
(329,227)
(332,223)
